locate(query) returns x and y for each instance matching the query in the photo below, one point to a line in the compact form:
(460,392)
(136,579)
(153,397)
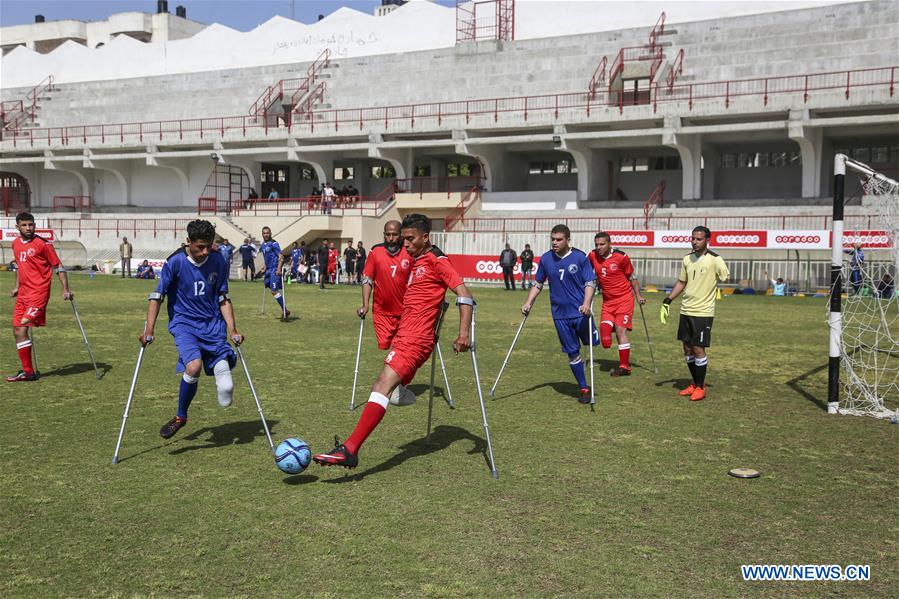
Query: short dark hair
(417,221)
(561,229)
(200,230)
(602,235)
(24,216)
(705,231)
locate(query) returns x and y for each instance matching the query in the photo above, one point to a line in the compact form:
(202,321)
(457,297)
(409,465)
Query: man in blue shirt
(572,284)
(201,318)
(779,285)
(227,251)
(248,255)
(856,263)
(271,254)
(296,257)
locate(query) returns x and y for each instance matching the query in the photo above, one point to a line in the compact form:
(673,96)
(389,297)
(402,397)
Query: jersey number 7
(561,273)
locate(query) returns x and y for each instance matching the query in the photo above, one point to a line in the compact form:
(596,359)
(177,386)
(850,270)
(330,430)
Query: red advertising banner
(483,267)
(13,234)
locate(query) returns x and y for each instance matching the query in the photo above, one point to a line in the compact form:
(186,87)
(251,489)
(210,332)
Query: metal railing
(457,214)
(295,85)
(598,80)
(654,202)
(67,227)
(585,224)
(553,104)
(677,69)
(14,112)
(301,206)
(657,31)
(73,203)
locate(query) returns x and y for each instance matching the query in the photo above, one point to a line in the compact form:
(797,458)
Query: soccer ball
(292,456)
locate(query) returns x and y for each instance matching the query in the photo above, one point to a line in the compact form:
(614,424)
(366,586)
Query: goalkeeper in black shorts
(700,274)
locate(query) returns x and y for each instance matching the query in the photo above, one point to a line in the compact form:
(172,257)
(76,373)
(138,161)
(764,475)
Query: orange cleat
(698,394)
(688,391)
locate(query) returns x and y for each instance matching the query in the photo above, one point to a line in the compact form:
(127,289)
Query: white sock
(224,384)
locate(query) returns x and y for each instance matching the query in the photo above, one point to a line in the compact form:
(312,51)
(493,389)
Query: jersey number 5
(199,288)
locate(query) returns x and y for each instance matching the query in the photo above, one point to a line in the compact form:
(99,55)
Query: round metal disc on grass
(744,473)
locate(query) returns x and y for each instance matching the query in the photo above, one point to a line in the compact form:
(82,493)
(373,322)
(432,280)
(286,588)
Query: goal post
(864,333)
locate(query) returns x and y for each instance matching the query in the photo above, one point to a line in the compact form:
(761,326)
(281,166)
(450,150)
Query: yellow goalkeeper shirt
(701,274)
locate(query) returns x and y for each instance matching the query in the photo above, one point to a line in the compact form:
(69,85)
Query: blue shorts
(575,331)
(272,280)
(211,351)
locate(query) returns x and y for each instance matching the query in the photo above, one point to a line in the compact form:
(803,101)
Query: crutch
(592,392)
(448,396)
(84,335)
(508,354)
(33,351)
(268,435)
(264,290)
(358,354)
(283,300)
(648,340)
(477,380)
(140,357)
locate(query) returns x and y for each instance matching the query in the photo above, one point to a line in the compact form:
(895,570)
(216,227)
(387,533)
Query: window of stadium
(307,174)
(559,167)
(423,170)
(342,173)
(760,159)
(631,164)
(465,169)
(383,172)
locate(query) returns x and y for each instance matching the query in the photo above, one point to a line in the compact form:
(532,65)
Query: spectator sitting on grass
(145,271)
(779,285)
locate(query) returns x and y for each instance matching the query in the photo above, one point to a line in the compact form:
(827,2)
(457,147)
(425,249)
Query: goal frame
(835,318)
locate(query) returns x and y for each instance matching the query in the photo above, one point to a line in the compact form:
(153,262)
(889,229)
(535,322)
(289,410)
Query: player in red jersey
(615,274)
(36,260)
(386,271)
(430,276)
(332,264)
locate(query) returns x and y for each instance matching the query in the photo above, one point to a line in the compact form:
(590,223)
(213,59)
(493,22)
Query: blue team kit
(270,253)
(194,293)
(567,277)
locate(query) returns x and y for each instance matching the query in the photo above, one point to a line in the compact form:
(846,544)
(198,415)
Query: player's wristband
(155,296)
(667,301)
(465,301)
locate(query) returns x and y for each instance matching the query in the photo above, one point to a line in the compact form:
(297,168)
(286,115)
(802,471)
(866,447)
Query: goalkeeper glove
(666,310)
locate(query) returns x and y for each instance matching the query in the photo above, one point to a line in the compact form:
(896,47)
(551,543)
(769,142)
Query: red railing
(73,203)
(303,113)
(302,206)
(10,111)
(334,119)
(654,202)
(598,80)
(457,214)
(14,112)
(133,227)
(587,224)
(677,68)
(657,31)
(294,86)
(450,185)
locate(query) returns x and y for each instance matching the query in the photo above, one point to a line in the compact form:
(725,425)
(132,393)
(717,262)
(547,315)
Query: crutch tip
(490,393)
(495,475)
(115,460)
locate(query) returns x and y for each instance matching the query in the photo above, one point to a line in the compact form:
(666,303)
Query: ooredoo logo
(488,267)
(736,239)
(630,239)
(675,238)
(797,239)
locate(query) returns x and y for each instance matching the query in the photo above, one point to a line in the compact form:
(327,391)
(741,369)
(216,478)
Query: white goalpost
(863,369)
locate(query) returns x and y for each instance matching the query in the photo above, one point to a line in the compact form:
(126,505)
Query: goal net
(864,308)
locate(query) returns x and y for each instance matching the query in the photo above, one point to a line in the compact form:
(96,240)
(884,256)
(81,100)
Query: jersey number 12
(199,288)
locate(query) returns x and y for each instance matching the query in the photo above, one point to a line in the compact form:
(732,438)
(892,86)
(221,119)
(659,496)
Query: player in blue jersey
(296,257)
(572,284)
(271,254)
(201,318)
(227,251)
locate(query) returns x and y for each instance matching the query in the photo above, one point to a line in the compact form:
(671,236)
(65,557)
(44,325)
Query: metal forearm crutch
(591,329)
(264,290)
(33,350)
(434,358)
(268,435)
(477,382)
(84,335)
(648,340)
(356,371)
(140,357)
(448,395)
(283,300)
(508,354)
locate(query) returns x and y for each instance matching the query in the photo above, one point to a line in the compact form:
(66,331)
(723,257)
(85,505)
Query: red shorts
(332,269)
(408,354)
(620,313)
(33,310)
(386,326)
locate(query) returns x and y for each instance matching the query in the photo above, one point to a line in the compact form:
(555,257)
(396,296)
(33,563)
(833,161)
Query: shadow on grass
(421,390)
(78,369)
(441,438)
(565,388)
(677,383)
(140,453)
(233,433)
(300,479)
(796,385)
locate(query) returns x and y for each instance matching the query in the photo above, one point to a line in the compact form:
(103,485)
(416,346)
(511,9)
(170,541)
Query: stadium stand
(732,119)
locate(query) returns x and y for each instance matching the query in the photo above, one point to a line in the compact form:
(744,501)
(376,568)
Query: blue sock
(186,394)
(577,368)
(280,299)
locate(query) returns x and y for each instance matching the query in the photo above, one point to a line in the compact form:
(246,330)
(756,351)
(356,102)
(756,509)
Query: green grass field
(632,500)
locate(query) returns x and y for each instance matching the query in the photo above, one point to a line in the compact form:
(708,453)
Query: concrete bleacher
(844,36)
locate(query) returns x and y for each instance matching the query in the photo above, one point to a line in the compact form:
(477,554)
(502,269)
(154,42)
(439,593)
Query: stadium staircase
(287,100)
(22,114)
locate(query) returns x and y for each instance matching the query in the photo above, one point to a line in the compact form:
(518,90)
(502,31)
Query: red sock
(624,355)
(371,416)
(25,356)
